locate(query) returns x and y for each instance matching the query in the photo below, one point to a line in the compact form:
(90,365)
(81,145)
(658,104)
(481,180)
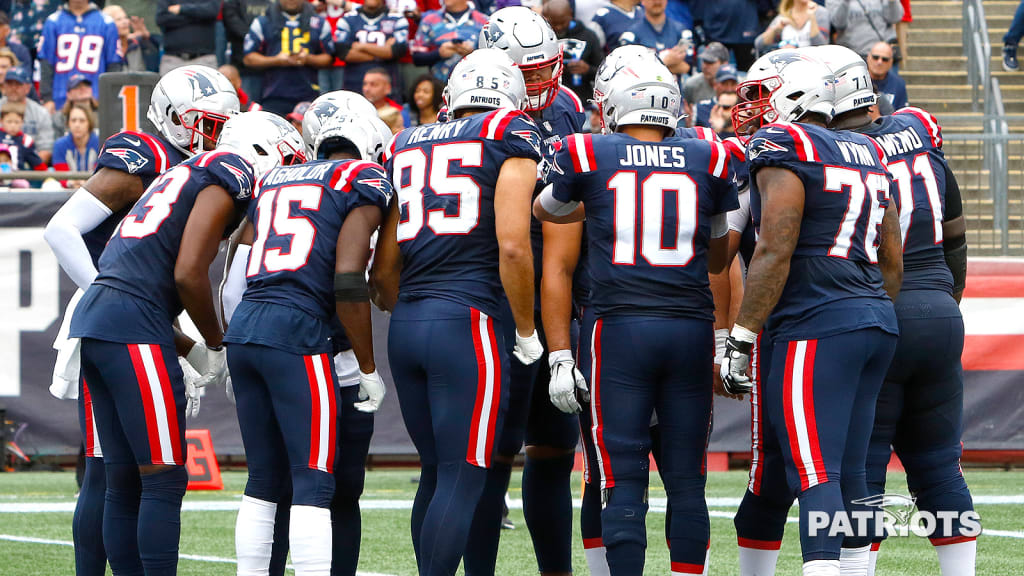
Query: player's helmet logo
(133,161)
(759,145)
(324,110)
(491,34)
(202,86)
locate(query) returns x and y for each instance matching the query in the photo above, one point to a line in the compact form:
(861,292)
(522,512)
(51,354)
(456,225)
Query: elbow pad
(234,283)
(955,252)
(554,206)
(719,225)
(81,214)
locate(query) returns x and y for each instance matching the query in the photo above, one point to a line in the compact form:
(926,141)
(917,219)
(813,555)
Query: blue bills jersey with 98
(297,214)
(649,208)
(835,283)
(445,174)
(136,153)
(138,263)
(912,141)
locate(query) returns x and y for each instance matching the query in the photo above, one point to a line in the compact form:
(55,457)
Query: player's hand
(565,380)
(528,349)
(216,372)
(193,393)
(229,390)
(738,348)
(371,392)
(721,335)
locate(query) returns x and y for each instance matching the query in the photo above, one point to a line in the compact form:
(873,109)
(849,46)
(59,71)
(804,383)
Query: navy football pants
(920,408)
(641,365)
(451,374)
(821,397)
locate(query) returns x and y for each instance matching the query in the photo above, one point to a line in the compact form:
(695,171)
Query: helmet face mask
(754,107)
(542,93)
(205,128)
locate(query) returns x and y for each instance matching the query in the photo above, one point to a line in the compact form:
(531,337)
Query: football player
(457,237)
(155,265)
(820,202)
(188,108)
(297,281)
(550,434)
(651,343)
(920,407)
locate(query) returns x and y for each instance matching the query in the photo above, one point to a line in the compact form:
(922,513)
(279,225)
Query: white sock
(597,561)
(854,561)
(821,568)
(758,562)
(254,536)
(707,562)
(873,558)
(957,558)
(310,540)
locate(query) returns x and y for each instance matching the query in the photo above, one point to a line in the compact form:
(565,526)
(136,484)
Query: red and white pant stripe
(798,406)
(92,438)
(756,420)
(488,391)
(158,404)
(323,413)
(604,464)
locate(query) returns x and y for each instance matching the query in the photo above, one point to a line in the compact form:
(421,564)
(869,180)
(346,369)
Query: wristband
(721,335)
(742,334)
(559,356)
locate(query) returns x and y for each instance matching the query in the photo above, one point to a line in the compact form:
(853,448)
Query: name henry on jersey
(437,131)
(901,142)
(656,156)
(857,153)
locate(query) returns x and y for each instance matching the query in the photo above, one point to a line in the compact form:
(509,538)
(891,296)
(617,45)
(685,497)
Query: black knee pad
(622,516)
(312,487)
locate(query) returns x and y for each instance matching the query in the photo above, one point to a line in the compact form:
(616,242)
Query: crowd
(281,54)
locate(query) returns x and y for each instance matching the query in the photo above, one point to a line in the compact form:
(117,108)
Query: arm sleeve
(234,282)
(954,204)
(82,213)
(739,218)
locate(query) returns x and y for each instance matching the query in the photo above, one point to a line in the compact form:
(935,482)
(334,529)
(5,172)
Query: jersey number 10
(652,217)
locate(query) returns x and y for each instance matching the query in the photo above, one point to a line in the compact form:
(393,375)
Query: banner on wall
(34,291)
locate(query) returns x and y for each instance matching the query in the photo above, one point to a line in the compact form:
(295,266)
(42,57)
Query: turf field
(35,528)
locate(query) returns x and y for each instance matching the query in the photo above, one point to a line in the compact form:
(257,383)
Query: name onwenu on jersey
(437,131)
(857,153)
(656,156)
(301,172)
(901,142)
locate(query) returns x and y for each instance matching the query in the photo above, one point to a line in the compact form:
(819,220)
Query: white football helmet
(486,78)
(853,83)
(325,106)
(783,86)
(190,103)
(531,43)
(643,92)
(266,140)
(357,131)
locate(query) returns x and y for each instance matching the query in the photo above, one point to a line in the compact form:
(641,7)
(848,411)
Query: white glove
(371,392)
(229,390)
(738,348)
(564,382)
(529,349)
(216,363)
(193,393)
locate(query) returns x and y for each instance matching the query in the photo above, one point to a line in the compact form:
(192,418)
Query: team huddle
(498,238)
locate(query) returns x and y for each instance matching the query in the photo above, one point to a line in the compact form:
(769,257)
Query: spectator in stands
(332,77)
(424,101)
(725,81)
(7,165)
(134,45)
(614,18)
(21,145)
(79,91)
(19,50)
(585,10)
(885,80)
(296,115)
(7,61)
(245,103)
(376,87)
(734,23)
(238,16)
(862,23)
(582,53)
(370,37)
(288,43)
(37,121)
(702,86)
(720,119)
(1012,38)
(656,30)
(189,28)
(78,39)
(445,36)
(78,150)
(799,23)
(27,20)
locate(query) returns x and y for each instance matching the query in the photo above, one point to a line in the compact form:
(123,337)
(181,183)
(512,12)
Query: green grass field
(208,536)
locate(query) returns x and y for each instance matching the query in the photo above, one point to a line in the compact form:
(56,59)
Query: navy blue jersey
(445,174)
(136,271)
(649,208)
(297,214)
(835,284)
(85,44)
(613,21)
(644,34)
(137,153)
(356,26)
(912,141)
(275,33)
